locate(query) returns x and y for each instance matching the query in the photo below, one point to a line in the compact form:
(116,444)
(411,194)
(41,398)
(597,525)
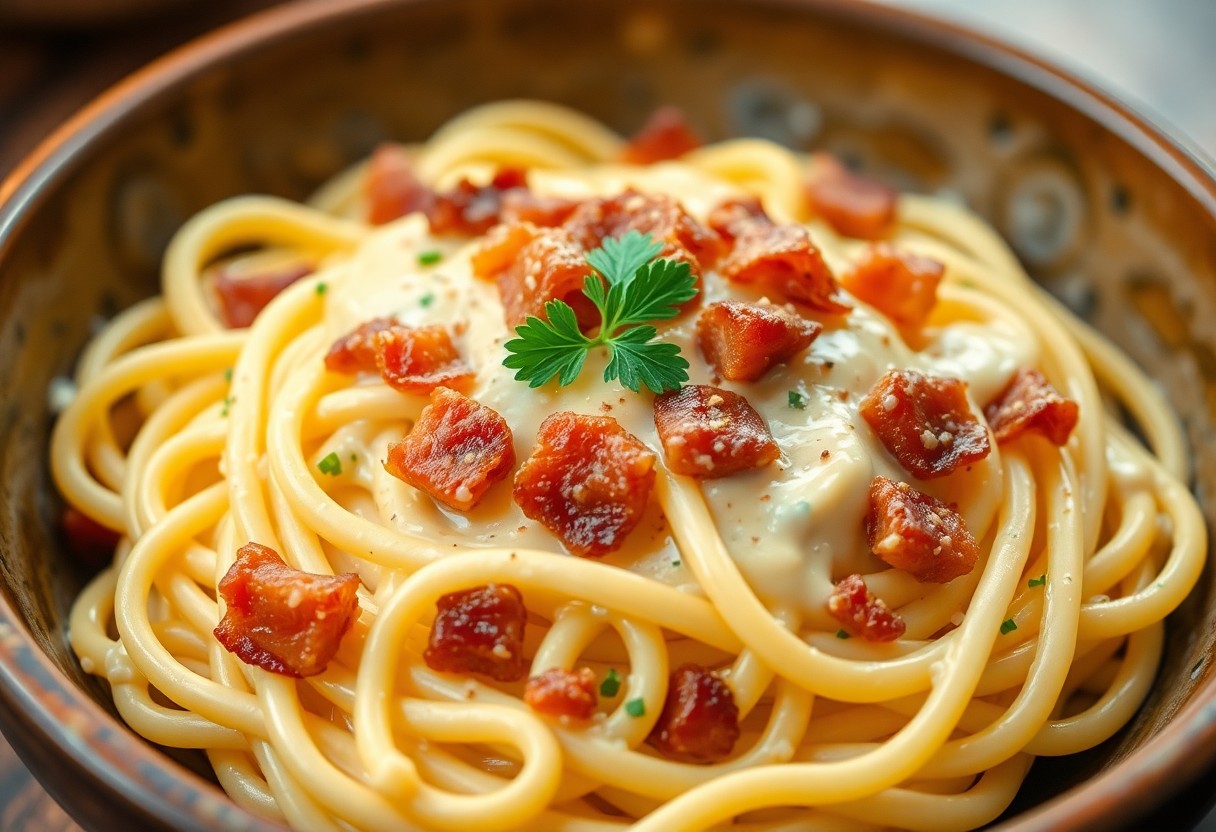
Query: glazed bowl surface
(1104,210)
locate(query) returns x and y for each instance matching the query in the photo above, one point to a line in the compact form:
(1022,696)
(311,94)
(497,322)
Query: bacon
(562,693)
(533,266)
(281,619)
(917,533)
(925,422)
(419,360)
(521,205)
(901,285)
(457,450)
(707,432)
(473,209)
(242,297)
(700,721)
(666,135)
(853,205)
(355,352)
(860,611)
(392,189)
(587,481)
(1030,403)
(90,542)
(480,630)
(730,218)
(742,341)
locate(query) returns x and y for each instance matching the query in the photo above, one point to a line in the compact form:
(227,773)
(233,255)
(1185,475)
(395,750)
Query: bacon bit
(355,352)
(666,135)
(456,451)
(533,266)
(730,218)
(917,533)
(473,209)
(862,612)
(925,422)
(901,285)
(700,721)
(281,619)
(91,543)
(707,432)
(742,341)
(587,481)
(1030,403)
(392,188)
(419,360)
(521,205)
(563,693)
(480,630)
(242,297)
(853,205)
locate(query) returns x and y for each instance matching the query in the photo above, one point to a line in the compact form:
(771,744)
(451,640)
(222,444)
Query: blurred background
(57,54)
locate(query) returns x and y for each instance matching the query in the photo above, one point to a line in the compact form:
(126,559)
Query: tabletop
(1157,56)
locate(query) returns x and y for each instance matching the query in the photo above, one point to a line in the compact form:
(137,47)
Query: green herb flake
(1008,626)
(797,400)
(228,374)
(636,707)
(426,300)
(1039,581)
(675,563)
(330,464)
(429,258)
(611,685)
(841,634)
(229,401)
(322,288)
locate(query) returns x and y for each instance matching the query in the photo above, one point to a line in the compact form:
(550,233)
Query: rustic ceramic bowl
(1103,208)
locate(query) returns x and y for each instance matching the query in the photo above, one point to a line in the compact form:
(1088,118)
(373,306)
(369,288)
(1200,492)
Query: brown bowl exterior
(1104,210)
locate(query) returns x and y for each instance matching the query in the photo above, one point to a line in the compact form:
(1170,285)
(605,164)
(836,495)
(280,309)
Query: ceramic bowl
(1103,208)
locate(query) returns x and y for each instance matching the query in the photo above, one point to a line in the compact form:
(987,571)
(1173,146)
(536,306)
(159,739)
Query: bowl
(1104,209)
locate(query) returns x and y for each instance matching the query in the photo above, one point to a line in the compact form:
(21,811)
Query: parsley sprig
(629,287)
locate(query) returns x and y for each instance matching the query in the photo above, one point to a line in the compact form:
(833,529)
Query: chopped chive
(1039,581)
(322,287)
(611,685)
(675,563)
(429,258)
(426,300)
(330,464)
(1008,626)
(228,374)
(797,400)
(636,707)
(841,634)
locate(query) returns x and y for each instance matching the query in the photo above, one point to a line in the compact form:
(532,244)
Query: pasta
(1045,643)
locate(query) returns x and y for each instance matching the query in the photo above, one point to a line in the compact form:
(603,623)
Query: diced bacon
(243,296)
(91,543)
(391,188)
(457,450)
(473,209)
(783,260)
(700,720)
(562,693)
(899,284)
(666,135)
(1030,403)
(533,266)
(730,218)
(480,630)
(281,619)
(658,215)
(862,612)
(925,422)
(419,360)
(917,533)
(708,432)
(355,352)
(853,205)
(587,481)
(521,205)
(742,341)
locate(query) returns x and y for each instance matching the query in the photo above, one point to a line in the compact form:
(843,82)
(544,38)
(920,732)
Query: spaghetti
(1046,646)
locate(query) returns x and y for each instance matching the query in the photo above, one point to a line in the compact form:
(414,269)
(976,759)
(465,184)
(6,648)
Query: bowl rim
(35,695)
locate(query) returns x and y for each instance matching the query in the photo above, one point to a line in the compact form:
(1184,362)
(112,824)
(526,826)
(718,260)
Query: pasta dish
(532,478)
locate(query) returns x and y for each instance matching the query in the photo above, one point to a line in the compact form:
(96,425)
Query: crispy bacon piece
(700,721)
(730,218)
(901,285)
(917,533)
(660,216)
(473,209)
(355,352)
(587,481)
(391,188)
(281,619)
(742,341)
(853,205)
(1030,403)
(563,693)
(862,612)
(419,360)
(480,630)
(521,205)
(532,266)
(666,135)
(91,543)
(457,450)
(707,432)
(925,422)
(242,297)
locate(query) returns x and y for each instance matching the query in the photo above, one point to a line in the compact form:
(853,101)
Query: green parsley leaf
(619,258)
(330,464)
(841,634)
(636,707)
(1008,626)
(797,400)
(322,288)
(611,685)
(429,258)
(426,300)
(1039,581)
(545,349)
